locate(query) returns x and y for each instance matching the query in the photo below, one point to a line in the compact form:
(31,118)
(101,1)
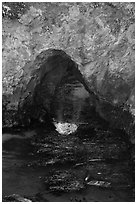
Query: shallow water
(87,166)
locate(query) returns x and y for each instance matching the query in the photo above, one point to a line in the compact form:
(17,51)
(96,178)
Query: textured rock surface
(15,198)
(99,37)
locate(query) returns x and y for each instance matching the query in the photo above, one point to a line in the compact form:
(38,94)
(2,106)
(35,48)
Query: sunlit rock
(65,128)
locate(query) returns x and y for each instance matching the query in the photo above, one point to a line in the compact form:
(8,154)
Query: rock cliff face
(81,54)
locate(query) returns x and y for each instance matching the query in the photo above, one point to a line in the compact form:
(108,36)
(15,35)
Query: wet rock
(15,198)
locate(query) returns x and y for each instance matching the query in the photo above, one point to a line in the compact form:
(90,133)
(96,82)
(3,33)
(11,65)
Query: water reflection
(86,166)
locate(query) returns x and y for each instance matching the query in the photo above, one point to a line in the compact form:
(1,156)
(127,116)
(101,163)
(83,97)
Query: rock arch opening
(60,89)
(57,89)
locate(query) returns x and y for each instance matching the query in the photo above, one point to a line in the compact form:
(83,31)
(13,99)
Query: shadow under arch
(56,89)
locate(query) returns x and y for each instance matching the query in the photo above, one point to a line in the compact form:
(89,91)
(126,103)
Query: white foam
(65,128)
